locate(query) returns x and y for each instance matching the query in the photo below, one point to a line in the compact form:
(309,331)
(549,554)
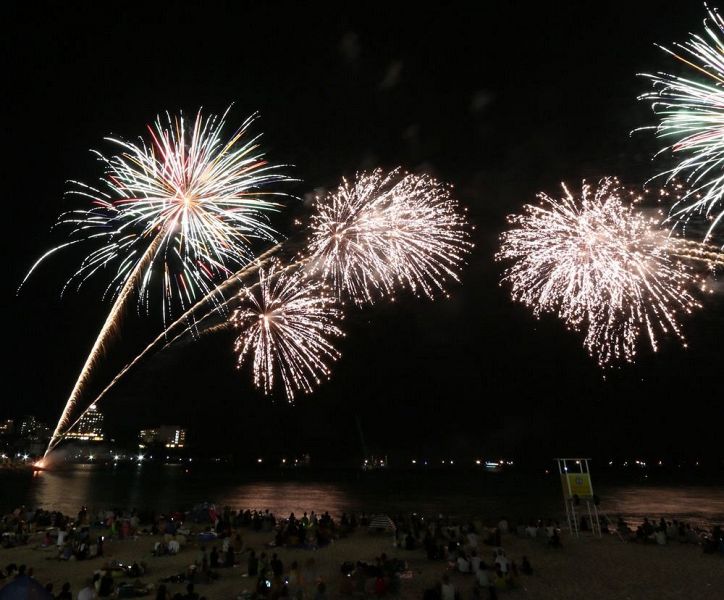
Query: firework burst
(180,210)
(286,323)
(691,120)
(601,266)
(383,231)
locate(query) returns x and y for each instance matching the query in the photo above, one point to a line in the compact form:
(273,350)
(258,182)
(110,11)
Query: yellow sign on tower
(577,484)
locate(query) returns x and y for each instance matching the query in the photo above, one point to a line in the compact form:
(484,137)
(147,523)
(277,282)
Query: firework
(195,194)
(691,120)
(360,237)
(601,266)
(179,212)
(285,326)
(383,231)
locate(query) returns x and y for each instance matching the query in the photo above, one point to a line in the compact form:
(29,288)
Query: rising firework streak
(177,212)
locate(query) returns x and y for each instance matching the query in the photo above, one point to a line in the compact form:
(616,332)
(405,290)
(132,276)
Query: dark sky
(498,98)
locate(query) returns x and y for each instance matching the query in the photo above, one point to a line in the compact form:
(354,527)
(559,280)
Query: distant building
(89,428)
(43,431)
(147,437)
(170,436)
(28,427)
(7,427)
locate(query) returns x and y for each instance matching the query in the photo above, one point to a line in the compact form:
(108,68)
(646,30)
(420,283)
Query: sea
(518,496)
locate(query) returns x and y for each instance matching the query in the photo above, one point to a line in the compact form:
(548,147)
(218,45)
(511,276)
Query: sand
(584,568)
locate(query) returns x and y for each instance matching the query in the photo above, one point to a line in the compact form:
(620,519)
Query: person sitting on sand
(463,564)
(190,594)
(447,589)
(502,560)
(525,566)
(88,592)
(159,549)
(499,579)
(105,589)
(277,566)
(483,576)
(252,564)
(229,557)
(660,536)
(173,546)
(555,540)
(474,562)
(65,593)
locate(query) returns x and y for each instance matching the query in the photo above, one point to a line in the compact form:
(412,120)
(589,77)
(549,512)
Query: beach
(587,567)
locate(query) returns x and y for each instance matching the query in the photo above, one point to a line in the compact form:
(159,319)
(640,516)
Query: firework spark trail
(601,266)
(204,195)
(708,254)
(191,323)
(691,113)
(109,326)
(367,236)
(186,206)
(285,325)
(384,231)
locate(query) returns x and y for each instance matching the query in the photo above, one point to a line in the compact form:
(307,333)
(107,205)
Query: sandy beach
(585,568)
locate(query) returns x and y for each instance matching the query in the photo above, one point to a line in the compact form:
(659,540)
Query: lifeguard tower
(578,494)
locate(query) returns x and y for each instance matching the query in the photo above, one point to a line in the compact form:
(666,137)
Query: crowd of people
(672,531)
(463,547)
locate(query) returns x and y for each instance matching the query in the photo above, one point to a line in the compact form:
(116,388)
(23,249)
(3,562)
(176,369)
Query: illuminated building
(170,436)
(90,427)
(7,427)
(146,437)
(28,427)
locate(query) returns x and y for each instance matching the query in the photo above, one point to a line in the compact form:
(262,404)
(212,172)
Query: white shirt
(173,546)
(463,565)
(503,561)
(448,591)
(475,563)
(87,593)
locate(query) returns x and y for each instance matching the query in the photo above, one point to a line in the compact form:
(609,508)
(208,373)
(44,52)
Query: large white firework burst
(178,210)
(601,265)
(385,230)
(690,108)
(286,323)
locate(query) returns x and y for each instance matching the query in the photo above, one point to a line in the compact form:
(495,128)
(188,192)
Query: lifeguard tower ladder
(578,494)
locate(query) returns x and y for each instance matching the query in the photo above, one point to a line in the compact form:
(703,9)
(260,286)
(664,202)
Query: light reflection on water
(697,503)
(174,487)
(283,498)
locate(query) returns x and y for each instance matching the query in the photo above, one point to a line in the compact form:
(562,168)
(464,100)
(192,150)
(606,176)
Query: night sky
(501,100)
